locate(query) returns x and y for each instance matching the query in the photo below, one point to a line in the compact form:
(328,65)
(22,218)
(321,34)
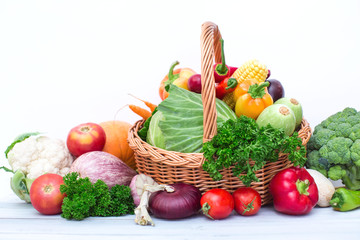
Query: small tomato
(217,203)
(45,194)
(247,201)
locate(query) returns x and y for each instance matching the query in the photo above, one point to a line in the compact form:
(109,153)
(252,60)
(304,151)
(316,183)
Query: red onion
(105,166)
(183,202)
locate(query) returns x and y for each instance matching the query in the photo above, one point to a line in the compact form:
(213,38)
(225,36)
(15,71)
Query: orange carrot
(145,114)
(150,105)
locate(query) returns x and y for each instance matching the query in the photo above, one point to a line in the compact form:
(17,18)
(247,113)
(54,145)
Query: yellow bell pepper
(178,77)
(251,98)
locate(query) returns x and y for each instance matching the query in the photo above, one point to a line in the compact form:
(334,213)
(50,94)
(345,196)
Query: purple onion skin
(183,202)
(275,89)
(194,83)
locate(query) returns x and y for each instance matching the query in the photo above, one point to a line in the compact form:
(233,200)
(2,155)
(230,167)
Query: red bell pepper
(226,86)
(294,191)
(221,70)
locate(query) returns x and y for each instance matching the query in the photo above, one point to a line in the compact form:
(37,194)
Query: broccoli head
(320,137)
(336,172)
(334,148)
(355,132)
(316,162)
(337,150)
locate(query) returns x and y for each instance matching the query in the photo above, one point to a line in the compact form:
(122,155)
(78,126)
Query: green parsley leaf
(85,199)
(246,147)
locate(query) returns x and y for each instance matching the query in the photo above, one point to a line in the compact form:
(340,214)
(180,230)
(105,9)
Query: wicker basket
(168,167)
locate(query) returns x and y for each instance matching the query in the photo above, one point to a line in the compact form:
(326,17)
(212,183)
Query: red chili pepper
(226,86)
(221,70)
(294,191)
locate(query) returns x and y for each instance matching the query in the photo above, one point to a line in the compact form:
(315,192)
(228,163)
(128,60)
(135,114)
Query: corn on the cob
(252,69)
(229,100)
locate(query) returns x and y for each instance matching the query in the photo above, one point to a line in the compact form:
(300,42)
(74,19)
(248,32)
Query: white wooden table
(19,220)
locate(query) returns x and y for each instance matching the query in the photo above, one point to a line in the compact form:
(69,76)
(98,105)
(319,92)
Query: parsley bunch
(246,147)
(85,199)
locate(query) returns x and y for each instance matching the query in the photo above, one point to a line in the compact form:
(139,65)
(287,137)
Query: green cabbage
(178,123)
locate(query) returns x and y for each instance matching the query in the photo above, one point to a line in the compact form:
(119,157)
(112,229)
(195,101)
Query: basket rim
(188,160)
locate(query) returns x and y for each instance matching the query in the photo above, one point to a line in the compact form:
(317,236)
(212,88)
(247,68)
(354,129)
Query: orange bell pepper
(178,77)
(251,98)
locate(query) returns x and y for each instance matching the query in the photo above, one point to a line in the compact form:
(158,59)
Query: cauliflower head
(32,155)
(334,148)
(37,155)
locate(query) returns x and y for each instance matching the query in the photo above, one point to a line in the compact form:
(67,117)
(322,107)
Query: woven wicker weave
(168,167)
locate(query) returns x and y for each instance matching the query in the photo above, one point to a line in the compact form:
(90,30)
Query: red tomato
(247,201)
(217,203)
(45,194)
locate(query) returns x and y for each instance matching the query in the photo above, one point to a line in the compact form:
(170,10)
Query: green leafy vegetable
(239,141)
(178,123)
(20,138)
(84,199)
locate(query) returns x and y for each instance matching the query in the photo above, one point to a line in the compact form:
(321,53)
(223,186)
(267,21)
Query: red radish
(137,185)
(105,166)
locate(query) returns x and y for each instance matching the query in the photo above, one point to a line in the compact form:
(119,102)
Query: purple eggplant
(275,89)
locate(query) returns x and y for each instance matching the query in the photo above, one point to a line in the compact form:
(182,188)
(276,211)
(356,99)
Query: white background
(63,63)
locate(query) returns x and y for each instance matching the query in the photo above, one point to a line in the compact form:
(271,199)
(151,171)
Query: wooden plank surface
(20,221)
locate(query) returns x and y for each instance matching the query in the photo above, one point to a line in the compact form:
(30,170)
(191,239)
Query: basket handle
(210,51)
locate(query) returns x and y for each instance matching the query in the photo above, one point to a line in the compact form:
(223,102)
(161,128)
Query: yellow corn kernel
(229,100)
(252,69)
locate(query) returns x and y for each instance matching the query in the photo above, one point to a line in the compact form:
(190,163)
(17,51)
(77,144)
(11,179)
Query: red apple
(45,195)
(86,137)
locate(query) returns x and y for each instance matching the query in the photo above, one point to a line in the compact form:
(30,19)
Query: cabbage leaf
(178,123)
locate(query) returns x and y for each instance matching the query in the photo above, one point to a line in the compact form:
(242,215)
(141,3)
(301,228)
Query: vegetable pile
(93,173)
